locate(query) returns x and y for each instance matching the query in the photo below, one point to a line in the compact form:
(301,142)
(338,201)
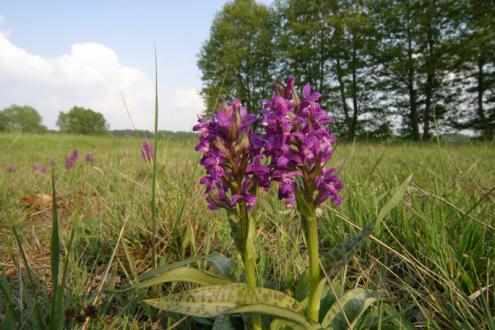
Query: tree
(398,55)
(475,51)
(329,43)
(237,59)
(82,121)
(414,65)
(21,118)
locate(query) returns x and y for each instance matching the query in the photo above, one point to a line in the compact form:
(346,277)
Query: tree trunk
(413,112)
(352,133)
(430,71)
(487,130)
(342,95)
(322,61)
(427,113)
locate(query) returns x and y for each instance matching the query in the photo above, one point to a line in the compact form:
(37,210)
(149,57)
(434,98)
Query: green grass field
(433,258)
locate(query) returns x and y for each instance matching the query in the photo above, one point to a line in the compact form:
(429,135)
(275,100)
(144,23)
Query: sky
(94,54)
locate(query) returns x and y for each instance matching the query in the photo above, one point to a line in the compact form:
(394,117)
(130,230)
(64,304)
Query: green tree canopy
(21,118)
(82,121)
(417,67)
(237,59)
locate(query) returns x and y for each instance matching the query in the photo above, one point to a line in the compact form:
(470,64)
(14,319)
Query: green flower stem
(249,255)
(314,266)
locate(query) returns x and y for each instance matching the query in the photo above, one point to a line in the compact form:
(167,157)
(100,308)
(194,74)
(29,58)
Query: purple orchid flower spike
(70,162)
(231,157)
(298,141)
(147,151)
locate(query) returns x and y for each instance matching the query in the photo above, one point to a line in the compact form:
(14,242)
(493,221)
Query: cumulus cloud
(182,109)
(90,75)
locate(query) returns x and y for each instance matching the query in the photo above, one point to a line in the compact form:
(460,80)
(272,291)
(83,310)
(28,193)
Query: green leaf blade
(184,274)
(349,308)
(396,198)
(216,300)
(342,253)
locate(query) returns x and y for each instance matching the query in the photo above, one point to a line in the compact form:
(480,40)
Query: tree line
(77,120)
(409,67)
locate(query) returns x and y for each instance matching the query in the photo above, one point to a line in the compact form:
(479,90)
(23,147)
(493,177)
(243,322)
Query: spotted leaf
(210,301)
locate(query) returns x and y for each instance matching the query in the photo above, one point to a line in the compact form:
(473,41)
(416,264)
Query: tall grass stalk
(155,156)
(54,257)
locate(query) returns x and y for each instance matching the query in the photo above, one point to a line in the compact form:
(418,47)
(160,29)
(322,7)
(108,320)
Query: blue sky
(59,53)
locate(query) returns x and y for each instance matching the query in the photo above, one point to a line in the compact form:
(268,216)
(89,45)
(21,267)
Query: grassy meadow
(433,258)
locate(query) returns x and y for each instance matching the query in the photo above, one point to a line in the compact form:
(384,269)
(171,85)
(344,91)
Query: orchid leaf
(215,300)
(343,252)
(155,272)
(223,322)
(280,312)
(396,198)
(223,265)
(349,308)
(303,286)
(185,274)
(280,324)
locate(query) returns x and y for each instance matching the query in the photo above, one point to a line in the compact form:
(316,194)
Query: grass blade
(54,256)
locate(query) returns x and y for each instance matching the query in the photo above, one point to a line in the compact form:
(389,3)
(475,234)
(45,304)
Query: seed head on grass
(147,151)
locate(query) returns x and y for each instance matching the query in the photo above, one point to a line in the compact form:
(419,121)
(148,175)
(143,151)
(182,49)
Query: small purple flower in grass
(147,151)
(90,159)
(70,162)
(11,169)
(231,157)
(298,142)
(75,154)
(40,168)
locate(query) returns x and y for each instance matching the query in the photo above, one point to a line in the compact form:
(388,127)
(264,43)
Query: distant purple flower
(231,157)
(298,143)
(70,162)
(53,163)
(40,168)
(147,151)
(75,154)
(11,169)
(90,159)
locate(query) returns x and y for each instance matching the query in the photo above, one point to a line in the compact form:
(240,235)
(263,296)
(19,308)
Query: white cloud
(90,75)
(182,109)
